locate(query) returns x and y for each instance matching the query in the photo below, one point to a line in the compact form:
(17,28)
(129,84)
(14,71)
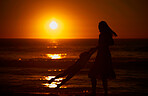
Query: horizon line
(61,38)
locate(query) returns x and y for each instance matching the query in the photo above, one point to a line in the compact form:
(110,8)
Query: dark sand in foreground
(137,66)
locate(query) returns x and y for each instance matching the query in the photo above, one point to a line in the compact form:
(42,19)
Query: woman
(102,68)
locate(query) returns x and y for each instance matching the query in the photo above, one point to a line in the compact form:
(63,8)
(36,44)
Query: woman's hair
(105,29)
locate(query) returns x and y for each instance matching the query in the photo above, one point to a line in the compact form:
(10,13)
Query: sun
(53,25)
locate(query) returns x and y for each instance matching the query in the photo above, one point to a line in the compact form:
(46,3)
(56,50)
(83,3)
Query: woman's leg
(105,86)
(94,83)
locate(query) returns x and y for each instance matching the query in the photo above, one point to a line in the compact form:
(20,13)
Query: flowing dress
(102,67)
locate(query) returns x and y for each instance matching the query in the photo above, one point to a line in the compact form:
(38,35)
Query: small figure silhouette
(102,67)
(73,69)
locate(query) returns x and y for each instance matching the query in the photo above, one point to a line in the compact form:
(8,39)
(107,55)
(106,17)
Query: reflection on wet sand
(53,84)
(51,46)
(56,56)
(20,59)
(50,85)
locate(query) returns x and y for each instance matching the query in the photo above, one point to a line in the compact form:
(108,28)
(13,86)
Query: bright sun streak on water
(53,25)
(56,56)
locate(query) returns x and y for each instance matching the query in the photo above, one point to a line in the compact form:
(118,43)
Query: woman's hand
(93,50)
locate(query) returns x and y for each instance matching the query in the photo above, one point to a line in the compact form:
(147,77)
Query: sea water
(13,49)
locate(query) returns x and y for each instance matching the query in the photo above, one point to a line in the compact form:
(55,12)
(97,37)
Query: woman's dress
(102,67)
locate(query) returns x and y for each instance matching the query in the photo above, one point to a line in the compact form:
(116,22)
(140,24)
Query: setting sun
(53,25)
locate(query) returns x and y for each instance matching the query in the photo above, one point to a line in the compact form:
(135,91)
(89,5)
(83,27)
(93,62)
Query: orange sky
(75,18)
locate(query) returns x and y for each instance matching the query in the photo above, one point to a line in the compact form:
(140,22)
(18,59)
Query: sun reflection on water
(51,70)
(56,56)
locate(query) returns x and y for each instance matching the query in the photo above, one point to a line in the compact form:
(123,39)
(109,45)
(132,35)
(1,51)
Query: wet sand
(15,80)
(73,92)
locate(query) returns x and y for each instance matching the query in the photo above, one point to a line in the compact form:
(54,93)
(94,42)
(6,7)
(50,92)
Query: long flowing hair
(105,29)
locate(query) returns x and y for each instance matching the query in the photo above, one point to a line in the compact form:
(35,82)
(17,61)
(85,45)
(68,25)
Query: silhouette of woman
(102,67)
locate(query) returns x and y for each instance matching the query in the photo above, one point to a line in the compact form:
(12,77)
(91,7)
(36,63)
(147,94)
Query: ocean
(13,49)
(28,64)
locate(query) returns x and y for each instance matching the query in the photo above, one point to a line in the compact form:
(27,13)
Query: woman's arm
(93,50)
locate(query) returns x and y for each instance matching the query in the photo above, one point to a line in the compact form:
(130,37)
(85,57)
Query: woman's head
(104,28)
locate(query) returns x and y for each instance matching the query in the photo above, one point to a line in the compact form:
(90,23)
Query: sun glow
(53,25)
